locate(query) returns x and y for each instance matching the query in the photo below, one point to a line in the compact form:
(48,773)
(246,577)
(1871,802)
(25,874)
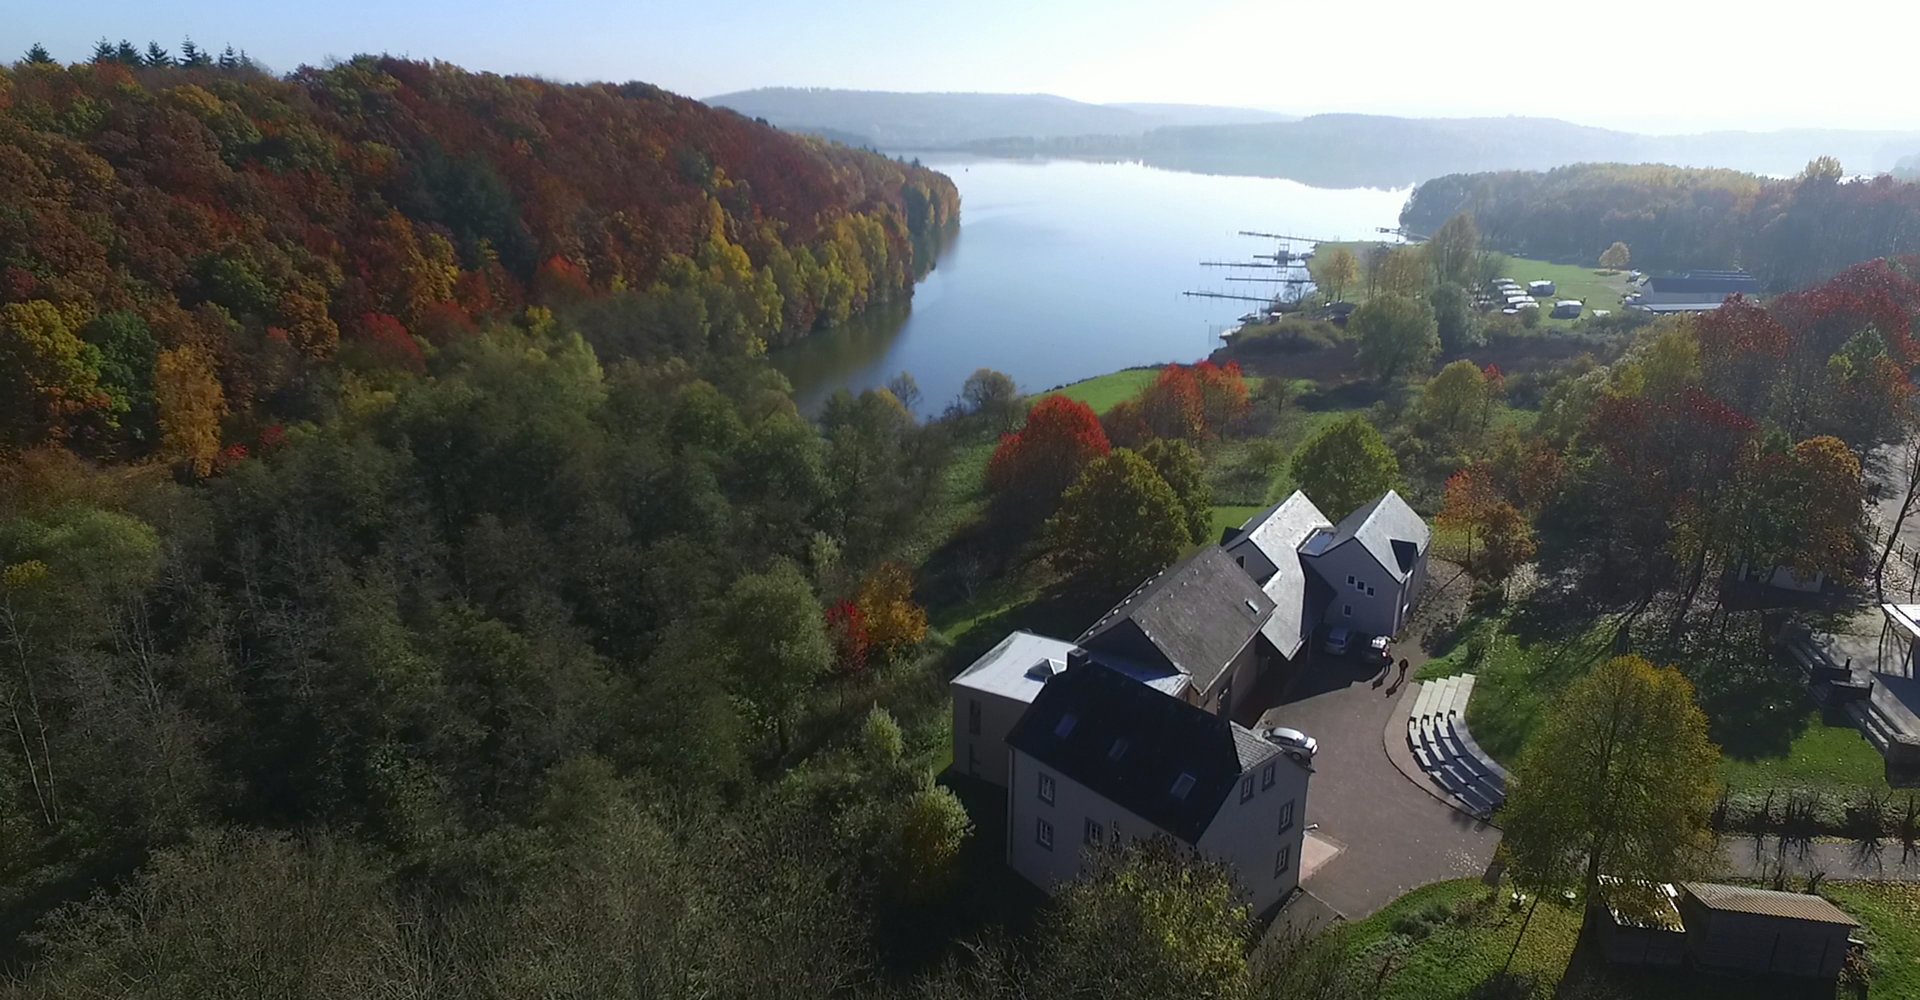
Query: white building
(1100,759)
(1373,564)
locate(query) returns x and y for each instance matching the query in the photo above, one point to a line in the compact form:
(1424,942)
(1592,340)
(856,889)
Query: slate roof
(1277,533)
(1388,529)
(1767,903)
(1195,616)
(1166,738)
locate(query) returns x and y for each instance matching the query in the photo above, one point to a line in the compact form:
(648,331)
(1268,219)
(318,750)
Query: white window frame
(1266,777)
(1046,789)
(1094,834)
(1346,611)
(1286,816)
(1043,833)
(1283,860)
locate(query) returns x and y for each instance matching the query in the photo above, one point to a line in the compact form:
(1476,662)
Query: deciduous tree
(1179,465)
(1120,522)
(1336,273)
(1396,334)
(893,621)
(1032,468)
(992,396)
(1454,251)
(1470,499)
(1616,257)
(1619,779)
(1345,465)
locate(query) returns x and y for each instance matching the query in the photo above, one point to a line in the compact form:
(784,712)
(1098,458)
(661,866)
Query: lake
(1063,269)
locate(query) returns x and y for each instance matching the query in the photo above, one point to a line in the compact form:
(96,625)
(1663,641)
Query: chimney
(1077,657)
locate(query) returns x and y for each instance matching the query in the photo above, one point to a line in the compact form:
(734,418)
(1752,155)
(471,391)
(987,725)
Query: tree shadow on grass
(1756,704)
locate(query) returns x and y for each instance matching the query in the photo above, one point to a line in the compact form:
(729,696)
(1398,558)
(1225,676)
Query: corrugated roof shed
(1767,903)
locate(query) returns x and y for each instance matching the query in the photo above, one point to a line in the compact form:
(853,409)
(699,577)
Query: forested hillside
(1790,232)
(189,256)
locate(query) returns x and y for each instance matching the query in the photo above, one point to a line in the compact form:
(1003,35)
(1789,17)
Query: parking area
(1392,836)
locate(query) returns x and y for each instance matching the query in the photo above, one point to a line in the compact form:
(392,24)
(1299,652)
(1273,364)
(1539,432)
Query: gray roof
(1165,738)
(1767,903)
(1389,530)
(1195,616)
(1017,667)
(1277,533)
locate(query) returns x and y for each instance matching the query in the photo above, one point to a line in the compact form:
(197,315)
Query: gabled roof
(1767,903)
(1166,738)
(1277,534)
(1195,616)
(1387,528)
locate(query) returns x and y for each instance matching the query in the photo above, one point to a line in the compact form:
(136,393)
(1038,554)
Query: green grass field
(1104,392)
(1449,940)
(1772,737)
(1596,289)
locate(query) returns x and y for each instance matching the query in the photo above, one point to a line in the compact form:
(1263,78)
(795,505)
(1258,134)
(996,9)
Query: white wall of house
(1067,815)
(1245,836)
(1350,569)
(980,733)
(1248,837)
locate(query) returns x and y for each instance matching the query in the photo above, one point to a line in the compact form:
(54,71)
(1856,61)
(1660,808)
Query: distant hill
(1347,150)
(890,120)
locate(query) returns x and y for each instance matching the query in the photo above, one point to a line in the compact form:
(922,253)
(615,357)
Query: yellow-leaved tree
(191,406)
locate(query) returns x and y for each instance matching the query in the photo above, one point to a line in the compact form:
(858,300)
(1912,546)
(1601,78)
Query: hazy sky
(1672,66)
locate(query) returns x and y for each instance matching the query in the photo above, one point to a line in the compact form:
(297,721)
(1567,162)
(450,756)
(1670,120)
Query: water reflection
(1066,269)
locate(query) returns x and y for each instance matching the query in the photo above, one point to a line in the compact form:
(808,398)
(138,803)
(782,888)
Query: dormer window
(1064,727)
(1181,786)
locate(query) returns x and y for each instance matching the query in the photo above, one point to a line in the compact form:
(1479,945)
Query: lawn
(1772,736)
(1595,288)
(1448,940)
(1104,392)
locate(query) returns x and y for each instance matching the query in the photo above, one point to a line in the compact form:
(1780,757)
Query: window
(1119,748)
(1064,727)
(1043,833)
(1286,816)
(973,717)
(1046,788)
(1282,861)
(1246,788)
(1266,778)
(1095,834)
(1346,611)
(1369,591)
(1350,581)
(1182,785)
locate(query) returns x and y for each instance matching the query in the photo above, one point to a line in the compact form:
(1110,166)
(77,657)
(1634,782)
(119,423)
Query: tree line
(191,254)
(1790,232)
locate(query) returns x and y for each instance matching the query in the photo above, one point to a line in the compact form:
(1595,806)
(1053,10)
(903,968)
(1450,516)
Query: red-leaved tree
(1033,466)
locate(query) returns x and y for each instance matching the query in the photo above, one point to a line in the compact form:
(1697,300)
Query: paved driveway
(1393,836)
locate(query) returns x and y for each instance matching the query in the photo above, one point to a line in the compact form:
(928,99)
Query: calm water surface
(1062,270)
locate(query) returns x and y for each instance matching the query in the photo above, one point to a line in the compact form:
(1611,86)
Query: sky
(1681,65)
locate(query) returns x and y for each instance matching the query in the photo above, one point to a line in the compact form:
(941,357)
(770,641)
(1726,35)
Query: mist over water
(1065,269)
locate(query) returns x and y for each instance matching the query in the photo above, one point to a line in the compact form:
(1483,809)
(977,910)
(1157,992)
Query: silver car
(1292,741)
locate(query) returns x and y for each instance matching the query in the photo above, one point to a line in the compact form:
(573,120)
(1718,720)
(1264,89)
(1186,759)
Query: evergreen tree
(229,61)
(126,54)
(193,56)
(102,51)
(38,55)
(157,56)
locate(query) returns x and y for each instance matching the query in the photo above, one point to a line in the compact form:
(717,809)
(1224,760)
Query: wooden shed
(1648,933)
(1733,928)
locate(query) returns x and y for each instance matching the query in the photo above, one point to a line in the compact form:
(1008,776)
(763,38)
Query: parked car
(1292,742)
(1339,640)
